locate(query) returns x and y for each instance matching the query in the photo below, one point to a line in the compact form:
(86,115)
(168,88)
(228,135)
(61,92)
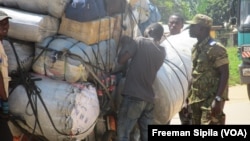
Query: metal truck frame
(240,16)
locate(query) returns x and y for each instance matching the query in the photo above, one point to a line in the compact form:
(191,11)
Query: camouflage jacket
(207,56)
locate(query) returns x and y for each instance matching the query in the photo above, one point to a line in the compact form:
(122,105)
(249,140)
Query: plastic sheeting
(31,27)
(56,7)
(172,80)
(73,108)
(52,7)
(25,53)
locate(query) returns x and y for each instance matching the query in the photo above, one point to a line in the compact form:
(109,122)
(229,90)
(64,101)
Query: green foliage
(201,7)
(217,9)
(234,61)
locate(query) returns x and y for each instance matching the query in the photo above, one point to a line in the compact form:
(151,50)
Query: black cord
(167,62)
(26,83)
(33,90)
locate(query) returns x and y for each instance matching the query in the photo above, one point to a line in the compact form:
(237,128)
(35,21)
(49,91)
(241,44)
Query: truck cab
(240,16)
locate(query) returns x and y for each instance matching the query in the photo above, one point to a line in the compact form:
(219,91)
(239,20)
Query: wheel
(248,91)
(109,135)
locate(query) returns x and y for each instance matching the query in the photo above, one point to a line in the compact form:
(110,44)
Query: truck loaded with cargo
(65,81)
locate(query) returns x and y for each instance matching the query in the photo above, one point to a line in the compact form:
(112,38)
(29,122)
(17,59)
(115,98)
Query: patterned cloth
(4,68)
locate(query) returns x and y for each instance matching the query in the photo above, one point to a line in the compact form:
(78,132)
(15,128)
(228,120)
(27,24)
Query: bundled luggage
(65,111)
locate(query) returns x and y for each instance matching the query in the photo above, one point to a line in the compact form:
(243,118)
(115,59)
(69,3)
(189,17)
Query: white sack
(74,109)
(172,80)
(31,27)
(52,7)
(25,52)
(57,64)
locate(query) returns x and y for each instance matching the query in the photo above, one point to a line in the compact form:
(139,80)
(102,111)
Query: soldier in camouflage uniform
(209,88)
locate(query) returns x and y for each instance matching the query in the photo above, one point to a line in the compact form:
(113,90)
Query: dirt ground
(236,109)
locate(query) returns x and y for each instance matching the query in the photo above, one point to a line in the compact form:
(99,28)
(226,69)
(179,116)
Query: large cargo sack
(24,51)
(64,58)
(65,111)
(54,8)
(90,32)
(85,10)
(31,27)
(174,76)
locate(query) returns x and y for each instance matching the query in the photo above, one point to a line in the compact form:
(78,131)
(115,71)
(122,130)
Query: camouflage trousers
(202,115)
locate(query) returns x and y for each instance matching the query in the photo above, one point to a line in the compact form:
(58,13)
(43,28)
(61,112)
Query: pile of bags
(61,111)
(64,47)
(72,52)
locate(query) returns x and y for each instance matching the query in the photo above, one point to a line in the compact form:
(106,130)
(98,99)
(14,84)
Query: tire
(248,91)
(109,135)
